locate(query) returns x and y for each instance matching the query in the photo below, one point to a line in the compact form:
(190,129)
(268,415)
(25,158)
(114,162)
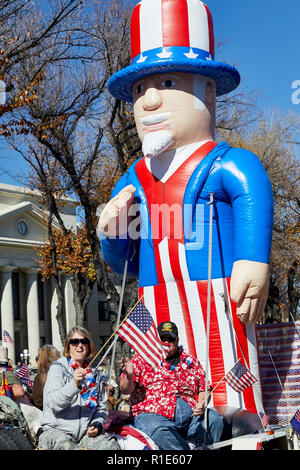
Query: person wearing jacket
(47,354)
(74,400)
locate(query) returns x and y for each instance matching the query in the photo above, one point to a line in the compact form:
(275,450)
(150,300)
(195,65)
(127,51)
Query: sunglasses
(77,341)
(167,339)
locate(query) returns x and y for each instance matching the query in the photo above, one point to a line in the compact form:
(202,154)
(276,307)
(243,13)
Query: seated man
(167,403)
(15,386)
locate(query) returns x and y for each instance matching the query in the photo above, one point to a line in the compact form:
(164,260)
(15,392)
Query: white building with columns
(28,305)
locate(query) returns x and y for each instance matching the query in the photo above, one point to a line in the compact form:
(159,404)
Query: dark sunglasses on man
(167,339)
(76,341)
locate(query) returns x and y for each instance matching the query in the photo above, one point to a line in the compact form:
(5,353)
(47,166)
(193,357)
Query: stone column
(23,315)
(33,320)
(7,310)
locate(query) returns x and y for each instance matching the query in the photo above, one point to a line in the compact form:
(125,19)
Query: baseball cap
(167,327)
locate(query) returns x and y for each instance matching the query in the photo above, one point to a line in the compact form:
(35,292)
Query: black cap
(167,328)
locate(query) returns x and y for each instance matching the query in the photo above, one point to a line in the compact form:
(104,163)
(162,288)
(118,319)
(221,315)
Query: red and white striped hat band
(157,24)
(172,36)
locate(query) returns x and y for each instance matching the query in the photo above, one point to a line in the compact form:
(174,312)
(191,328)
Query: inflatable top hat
(172,36)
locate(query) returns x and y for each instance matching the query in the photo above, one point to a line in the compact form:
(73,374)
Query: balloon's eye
(139,89)
(168,83)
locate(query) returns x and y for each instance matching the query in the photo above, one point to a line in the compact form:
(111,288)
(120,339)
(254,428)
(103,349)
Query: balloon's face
(173,110)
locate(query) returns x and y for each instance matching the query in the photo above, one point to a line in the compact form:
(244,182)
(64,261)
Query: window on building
(103,310)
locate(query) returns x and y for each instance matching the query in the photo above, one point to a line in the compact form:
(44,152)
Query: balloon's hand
(114,218)
(249,288)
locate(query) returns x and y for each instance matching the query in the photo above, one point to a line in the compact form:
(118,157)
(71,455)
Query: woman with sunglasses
(75,401)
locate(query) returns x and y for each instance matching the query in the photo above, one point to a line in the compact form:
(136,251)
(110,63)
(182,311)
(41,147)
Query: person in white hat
(161,207)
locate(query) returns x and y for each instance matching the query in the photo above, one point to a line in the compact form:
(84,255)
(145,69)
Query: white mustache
(155,118)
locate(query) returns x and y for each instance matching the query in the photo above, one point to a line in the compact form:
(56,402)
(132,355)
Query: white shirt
(165,165)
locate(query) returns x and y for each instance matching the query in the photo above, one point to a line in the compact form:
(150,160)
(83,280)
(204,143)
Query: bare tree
(274,140)
(74,126)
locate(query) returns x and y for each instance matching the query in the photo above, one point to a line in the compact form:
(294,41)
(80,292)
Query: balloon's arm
(249,189)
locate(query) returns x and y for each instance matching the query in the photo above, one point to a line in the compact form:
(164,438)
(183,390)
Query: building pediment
(23,224)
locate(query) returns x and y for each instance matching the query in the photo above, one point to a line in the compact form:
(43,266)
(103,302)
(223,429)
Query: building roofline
(18,190)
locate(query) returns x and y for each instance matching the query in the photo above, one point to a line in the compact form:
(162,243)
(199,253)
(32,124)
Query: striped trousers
(185,303)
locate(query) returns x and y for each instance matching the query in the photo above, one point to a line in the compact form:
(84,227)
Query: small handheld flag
(24,371)
(239,377)
(7,338)
(140,332)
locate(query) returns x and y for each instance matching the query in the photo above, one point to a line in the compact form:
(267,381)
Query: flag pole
(255,391)
(114,332)
(289,406)
(218,383)
(119,313)
(211,207)
(106,352)
(295,325)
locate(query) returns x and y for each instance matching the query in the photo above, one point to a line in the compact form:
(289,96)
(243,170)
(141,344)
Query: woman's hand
(79,375)
(92,431)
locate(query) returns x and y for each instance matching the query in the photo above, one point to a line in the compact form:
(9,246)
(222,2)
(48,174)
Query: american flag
(24,372)
(7,338)
(239,377)
(24,376)
(140,332)
(279,363)
(295,421)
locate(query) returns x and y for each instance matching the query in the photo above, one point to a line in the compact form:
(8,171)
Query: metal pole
(211,207)
(107,351)
(295,325)
(119,312)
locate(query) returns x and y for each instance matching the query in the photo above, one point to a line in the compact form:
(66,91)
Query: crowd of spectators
(167,403)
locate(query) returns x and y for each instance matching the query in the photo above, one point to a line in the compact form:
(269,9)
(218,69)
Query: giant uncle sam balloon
(173,81)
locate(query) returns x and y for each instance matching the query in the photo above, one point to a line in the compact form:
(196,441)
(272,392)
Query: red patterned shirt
(157,389)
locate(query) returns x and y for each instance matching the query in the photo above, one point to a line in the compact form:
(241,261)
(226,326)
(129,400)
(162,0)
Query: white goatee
(157,142)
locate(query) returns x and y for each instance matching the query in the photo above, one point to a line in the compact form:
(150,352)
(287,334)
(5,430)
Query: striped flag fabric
(24,376)
(7,338)
(140,332)
(24,371)
(279,364)
(265,420)
(295,421)
(239,377)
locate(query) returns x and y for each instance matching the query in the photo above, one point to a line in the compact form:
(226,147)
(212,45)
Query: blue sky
(262,40)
